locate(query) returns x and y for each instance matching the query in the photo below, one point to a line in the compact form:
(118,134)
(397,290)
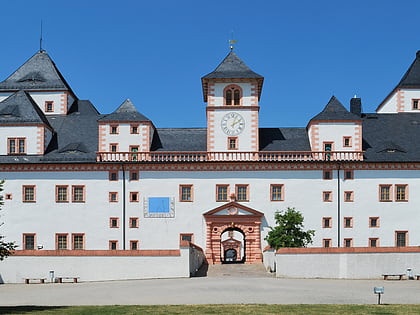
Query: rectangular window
(415,104)
(28,241)
(28,193)
(61,241)
(113,245)
(327,175)
(401,193)
(185,193)
(113,176)
(8,197)
(327,196)
(374,222)
(134,156)
(276,192)
(401,238)
(374,242)
(348,222)
(187,237)
(222,192)
(348,242)
(327,223)
(114,223)
(326,242)
(347,142)
(134,175)
(113,147)
(61,194)
(16,146)
(113,129)
(232,143)
(348,174)
(78,193)
(49,106)
(242,192)
(134,129)
(134,196)
(348,196)
(134,245)
(78,241)
(385,193)
(134,223)
(113,196)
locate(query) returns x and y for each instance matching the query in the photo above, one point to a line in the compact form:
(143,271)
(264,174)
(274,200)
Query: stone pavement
(224,285)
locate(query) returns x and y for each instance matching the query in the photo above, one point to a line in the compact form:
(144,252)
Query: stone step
(238,270)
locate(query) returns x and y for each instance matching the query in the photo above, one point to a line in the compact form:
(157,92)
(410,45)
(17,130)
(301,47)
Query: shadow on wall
(202,271)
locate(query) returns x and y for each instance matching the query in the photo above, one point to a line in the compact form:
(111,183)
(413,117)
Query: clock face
(233,124)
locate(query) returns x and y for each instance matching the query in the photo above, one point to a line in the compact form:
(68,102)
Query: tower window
(233,95)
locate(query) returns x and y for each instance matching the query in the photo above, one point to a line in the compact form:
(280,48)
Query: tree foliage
(6,248)
(289,230)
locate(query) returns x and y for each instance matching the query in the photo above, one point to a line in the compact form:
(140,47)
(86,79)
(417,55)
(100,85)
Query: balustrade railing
(229,156)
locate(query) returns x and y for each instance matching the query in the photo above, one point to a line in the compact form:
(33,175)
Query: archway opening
(232,246)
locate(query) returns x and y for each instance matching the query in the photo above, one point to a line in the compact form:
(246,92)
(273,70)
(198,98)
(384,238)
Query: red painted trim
(145,252)
(349,250)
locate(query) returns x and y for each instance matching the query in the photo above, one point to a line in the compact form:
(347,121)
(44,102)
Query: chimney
(356,105)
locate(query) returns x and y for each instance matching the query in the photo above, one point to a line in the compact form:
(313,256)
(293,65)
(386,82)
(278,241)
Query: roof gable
(233,209)
(38,73)
(21,108)
(334,110)
(412,77)
(125,112)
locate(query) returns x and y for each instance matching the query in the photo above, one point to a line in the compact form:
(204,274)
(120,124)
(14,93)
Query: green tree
(289,230)
(6,248)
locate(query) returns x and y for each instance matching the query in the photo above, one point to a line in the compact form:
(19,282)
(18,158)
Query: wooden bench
(74,279)
(41,280)
(399,275)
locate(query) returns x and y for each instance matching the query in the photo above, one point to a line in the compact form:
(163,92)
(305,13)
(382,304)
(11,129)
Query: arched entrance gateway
(224,227)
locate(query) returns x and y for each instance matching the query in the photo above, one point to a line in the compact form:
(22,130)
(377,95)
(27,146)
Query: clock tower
(232,92)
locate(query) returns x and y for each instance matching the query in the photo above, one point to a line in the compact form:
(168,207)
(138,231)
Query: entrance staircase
(239,270)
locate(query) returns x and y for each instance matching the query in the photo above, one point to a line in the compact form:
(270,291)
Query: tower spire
(40,39)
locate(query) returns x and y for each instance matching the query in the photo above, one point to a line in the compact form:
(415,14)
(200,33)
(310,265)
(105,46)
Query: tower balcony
(262,156)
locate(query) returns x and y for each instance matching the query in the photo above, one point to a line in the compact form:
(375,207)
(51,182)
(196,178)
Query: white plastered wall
(32,134)
(124,138)
(335,133)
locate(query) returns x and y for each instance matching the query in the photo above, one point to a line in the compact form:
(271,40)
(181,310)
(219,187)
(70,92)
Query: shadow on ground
(28,309)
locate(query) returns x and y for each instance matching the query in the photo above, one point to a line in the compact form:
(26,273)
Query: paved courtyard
(231,284)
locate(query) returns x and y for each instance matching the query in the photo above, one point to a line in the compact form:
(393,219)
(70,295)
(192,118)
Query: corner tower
(232,92)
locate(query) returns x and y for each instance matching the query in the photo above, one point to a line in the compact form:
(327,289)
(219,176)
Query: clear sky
(155,52)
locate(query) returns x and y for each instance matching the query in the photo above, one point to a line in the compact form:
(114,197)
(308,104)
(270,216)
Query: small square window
(134,196)
(232,143)
(348,174)
(134,245)
(326,223)
(222,192)
(348,242)
(114,223)
(49,106)
(327,196)
(185,193)
(385,192)
(113,196)
(347,142)
(348,222)
(113,129)
(276,192)
(415,104)
(134,129)
(373,242)
(327,175)
(113,245)
(113,147)
(113,176)
(134,175)
(134,223)
(8,197)
(374,222)
(348,196)
(242,193)
(326,242)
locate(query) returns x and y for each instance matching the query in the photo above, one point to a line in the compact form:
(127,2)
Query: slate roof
(180,139)
(126,112)
(284,139)
(412,77)
(232,67)
(334,110)
(20,108)
(38,73)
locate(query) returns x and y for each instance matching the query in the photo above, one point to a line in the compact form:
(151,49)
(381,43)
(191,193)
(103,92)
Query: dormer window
(49,106)
(113,129)
(416,104)
(233,95)
(16,146)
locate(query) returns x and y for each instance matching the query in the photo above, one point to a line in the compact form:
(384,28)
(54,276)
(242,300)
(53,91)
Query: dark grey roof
(284,139)
(391,137)
(38,73)
(412,77)
(334,110)
(126,112)
(232,67)
(76,137)
(180,139)
(21,108)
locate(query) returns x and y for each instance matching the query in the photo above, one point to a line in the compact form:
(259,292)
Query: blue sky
(155,52)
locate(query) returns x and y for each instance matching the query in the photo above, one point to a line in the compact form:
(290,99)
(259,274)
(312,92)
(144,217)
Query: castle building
(78,180)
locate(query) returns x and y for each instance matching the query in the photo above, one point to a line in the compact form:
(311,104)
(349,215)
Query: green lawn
(237,309)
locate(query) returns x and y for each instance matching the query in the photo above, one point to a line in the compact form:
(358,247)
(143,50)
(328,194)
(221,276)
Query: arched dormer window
(233,94)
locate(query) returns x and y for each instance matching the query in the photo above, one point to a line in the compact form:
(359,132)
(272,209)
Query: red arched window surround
(232,95)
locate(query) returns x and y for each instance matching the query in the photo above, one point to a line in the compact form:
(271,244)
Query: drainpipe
(123,206)
(338,207)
